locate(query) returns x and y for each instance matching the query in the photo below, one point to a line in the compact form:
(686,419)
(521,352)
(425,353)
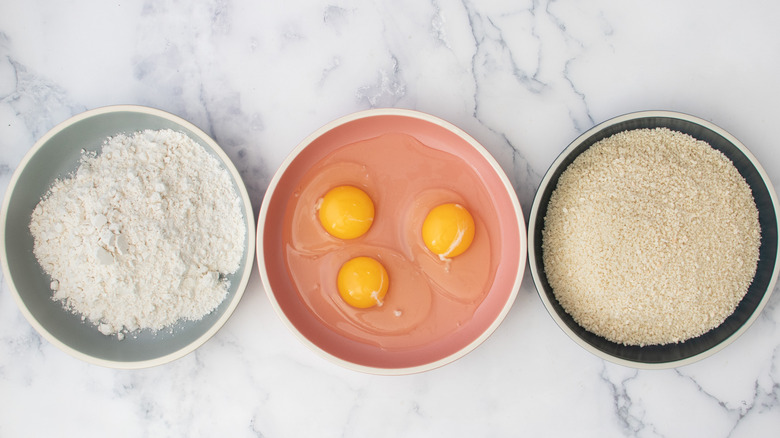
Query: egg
(306,233)
(363,282)
(462,278)
(406,305)
(448,230)
(346,212)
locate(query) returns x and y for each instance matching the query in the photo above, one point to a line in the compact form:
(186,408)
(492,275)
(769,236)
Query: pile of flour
(142,234)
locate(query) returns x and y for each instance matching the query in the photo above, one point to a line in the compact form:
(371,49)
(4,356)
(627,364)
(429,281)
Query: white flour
(141,235)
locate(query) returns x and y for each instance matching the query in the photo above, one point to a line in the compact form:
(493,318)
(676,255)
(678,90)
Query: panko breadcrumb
(651,237)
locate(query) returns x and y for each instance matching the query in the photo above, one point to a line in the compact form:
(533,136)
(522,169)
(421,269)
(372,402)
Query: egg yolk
(346,212)
(363,282)
(448,230)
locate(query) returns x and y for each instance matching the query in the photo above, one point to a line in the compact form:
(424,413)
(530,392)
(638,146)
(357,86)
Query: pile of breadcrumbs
(650,237)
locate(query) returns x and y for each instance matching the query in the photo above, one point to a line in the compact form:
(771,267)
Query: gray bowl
(670,355)
(56,155)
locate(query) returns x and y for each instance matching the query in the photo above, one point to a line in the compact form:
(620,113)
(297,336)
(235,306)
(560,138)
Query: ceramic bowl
(692,350)
(56,155)
(354,354)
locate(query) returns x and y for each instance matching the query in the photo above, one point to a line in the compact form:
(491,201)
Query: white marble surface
(523,77)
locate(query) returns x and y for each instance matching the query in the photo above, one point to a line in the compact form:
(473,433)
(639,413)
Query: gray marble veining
(524,78)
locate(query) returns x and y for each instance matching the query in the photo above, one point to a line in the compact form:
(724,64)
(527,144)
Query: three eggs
(347,212)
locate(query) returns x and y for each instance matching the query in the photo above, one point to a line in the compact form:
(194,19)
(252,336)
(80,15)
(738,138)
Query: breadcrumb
(650,237)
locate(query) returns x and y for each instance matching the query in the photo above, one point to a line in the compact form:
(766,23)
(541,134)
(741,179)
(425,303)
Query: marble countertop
(523,77)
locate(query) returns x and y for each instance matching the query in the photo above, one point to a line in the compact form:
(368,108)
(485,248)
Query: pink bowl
(352,354)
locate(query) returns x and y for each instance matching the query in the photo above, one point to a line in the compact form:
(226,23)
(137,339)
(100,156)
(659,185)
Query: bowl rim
(537,269)
(398,112)
(249,259)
